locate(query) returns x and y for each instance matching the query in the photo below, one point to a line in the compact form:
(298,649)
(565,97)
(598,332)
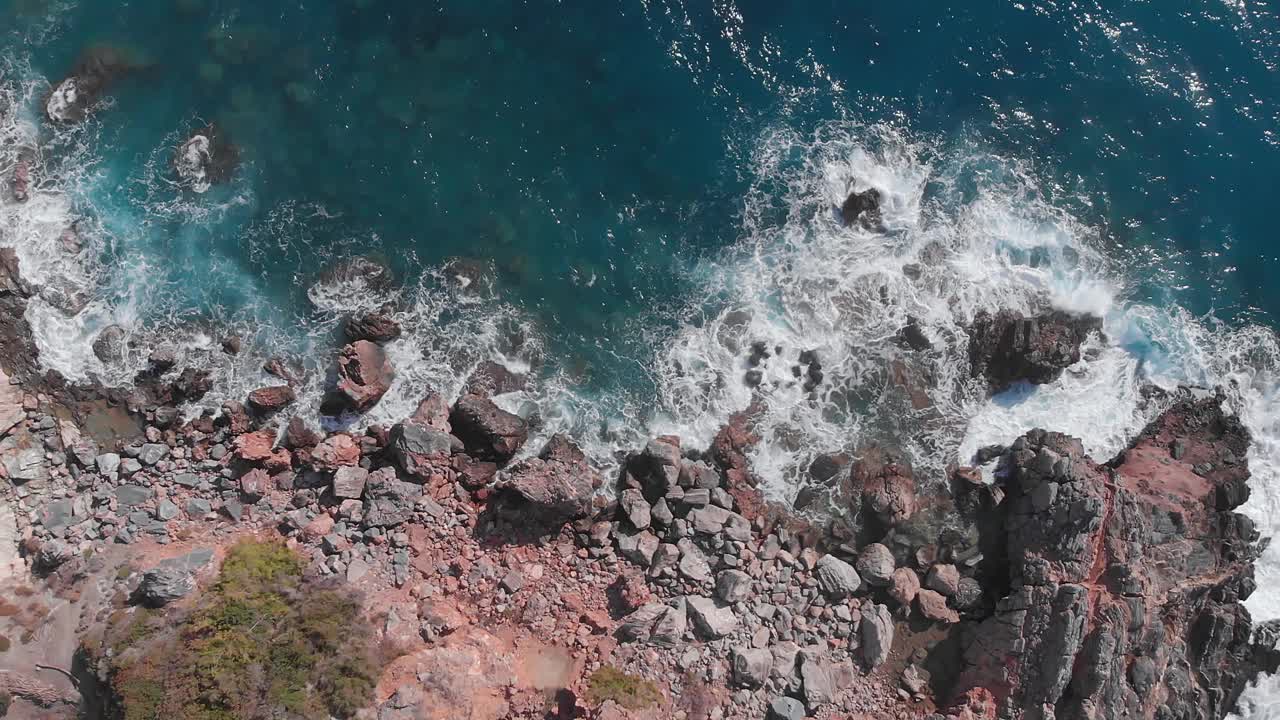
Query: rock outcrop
(1009,347)
(553,488)
(487,431)
(1125,580)
(364,376)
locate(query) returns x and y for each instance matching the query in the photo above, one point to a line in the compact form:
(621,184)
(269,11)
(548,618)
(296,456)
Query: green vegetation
(629,691)
(260,643)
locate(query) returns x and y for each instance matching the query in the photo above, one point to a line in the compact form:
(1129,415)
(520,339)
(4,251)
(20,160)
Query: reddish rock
(886,487)
(433,412)
(254,484)
(975,704)
(554,488)
(281,368)
(235,418)
(22,179)
(364,376)
(491,378)
(934,607)
(630,592)
(729,450)
(298,434)
(280,461)
(271,399)
(319,527)
(334,452)
(255,447)
(904,584)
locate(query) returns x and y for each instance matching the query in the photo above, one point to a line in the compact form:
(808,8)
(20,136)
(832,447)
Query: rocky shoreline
(505,583)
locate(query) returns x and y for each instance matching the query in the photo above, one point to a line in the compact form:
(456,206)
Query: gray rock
(348,482)
(234,509)
(635,508)
(693,564)
(639,547)
(699,475)
(785,708)
(388,501)
(876,564)
(166,511)
(733,586)
(129,466)
(108,463)
(661,513)
(198,507)
(132,495)
(24,464)
(668,630)
(876,632)
(57,514)
(53,553)
(638,626)
(836,577)
(750,666)
(816,682)
(152,453)
(163,585)
(187,480)
(711,619)
(512,582)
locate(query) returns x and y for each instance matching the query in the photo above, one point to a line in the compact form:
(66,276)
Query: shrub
(261,642)
(629,691)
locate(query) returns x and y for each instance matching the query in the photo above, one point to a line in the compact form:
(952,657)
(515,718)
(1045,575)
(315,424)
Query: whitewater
(964,230)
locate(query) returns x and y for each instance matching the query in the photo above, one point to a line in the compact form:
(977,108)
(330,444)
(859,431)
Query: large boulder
(862,208)
(420,450)
(491,378)
(487,431)
(1009,347)
(172,579)
(378,326)
(109,346)
(554,488)
(388,501)
(884,485)
(271,399)
(364,376)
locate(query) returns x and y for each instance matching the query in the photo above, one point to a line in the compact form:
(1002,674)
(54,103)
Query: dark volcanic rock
(207,158)
(109,346)
(556,487)
(11,282)
(884,485)
(75,96)
(1125,580)
(863,208)
(487,431)
(379,327)
(364,376)
(1008,347)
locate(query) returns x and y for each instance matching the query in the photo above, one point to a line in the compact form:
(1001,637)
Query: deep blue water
(596,151)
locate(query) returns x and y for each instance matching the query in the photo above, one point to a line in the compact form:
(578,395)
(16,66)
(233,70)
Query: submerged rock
(207,158)
(862,208)
(74,97)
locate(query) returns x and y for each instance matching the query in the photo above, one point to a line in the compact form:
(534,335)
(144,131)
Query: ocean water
(651,186)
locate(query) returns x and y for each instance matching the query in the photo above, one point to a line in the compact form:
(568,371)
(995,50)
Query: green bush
(260,643)
(629,691)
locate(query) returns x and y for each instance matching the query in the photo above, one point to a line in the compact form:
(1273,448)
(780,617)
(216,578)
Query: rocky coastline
(505,583)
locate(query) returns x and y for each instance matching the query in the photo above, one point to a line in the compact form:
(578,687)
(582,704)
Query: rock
(348,482)
(934,607)
(433,412)
(271,399)
(634,508)
(152,453)
(51,555)
(110,345)
(887,487)
(876,633)
(710,619)
(487,431)
(166,511)
(75,96)
(207,158)
(655,623)
(108,463)
(943,578)
(836,577)
(638,547)
(232,344)
(377,327)
(554,488)
(862,208)
(256,447)
(733,586)
(162,586)
(191,385)
(388,501)
(337,450)
(816,682)
(876,564)
(903,586)
(968,594)
(828,465)
(364,376)
(491,378)
(420,450)
(132,495)
(913,337)
(298,435)
(1008,347)
(57,515)
(786,708)
(693,564)
(198,508)
(750,666)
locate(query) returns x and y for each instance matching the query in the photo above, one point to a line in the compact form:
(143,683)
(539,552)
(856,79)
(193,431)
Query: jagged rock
(553,488)
(655,623)
(152,453)
(862,208)
(364,376)
(76,95)
(52,554)
(377,327)
(487,431)
(876,564)
(298,435)
(172,579)
(337,450)
(108,463)
(348,482)
(420,450)
(638,547)
(733,586)
(750,667)
(388,501)
(109,345)
(876,633)
(816,682)
(837,578)
(709,618)
(1007,347)
(271,399)
(635,508)
(433,411)
(786,708)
